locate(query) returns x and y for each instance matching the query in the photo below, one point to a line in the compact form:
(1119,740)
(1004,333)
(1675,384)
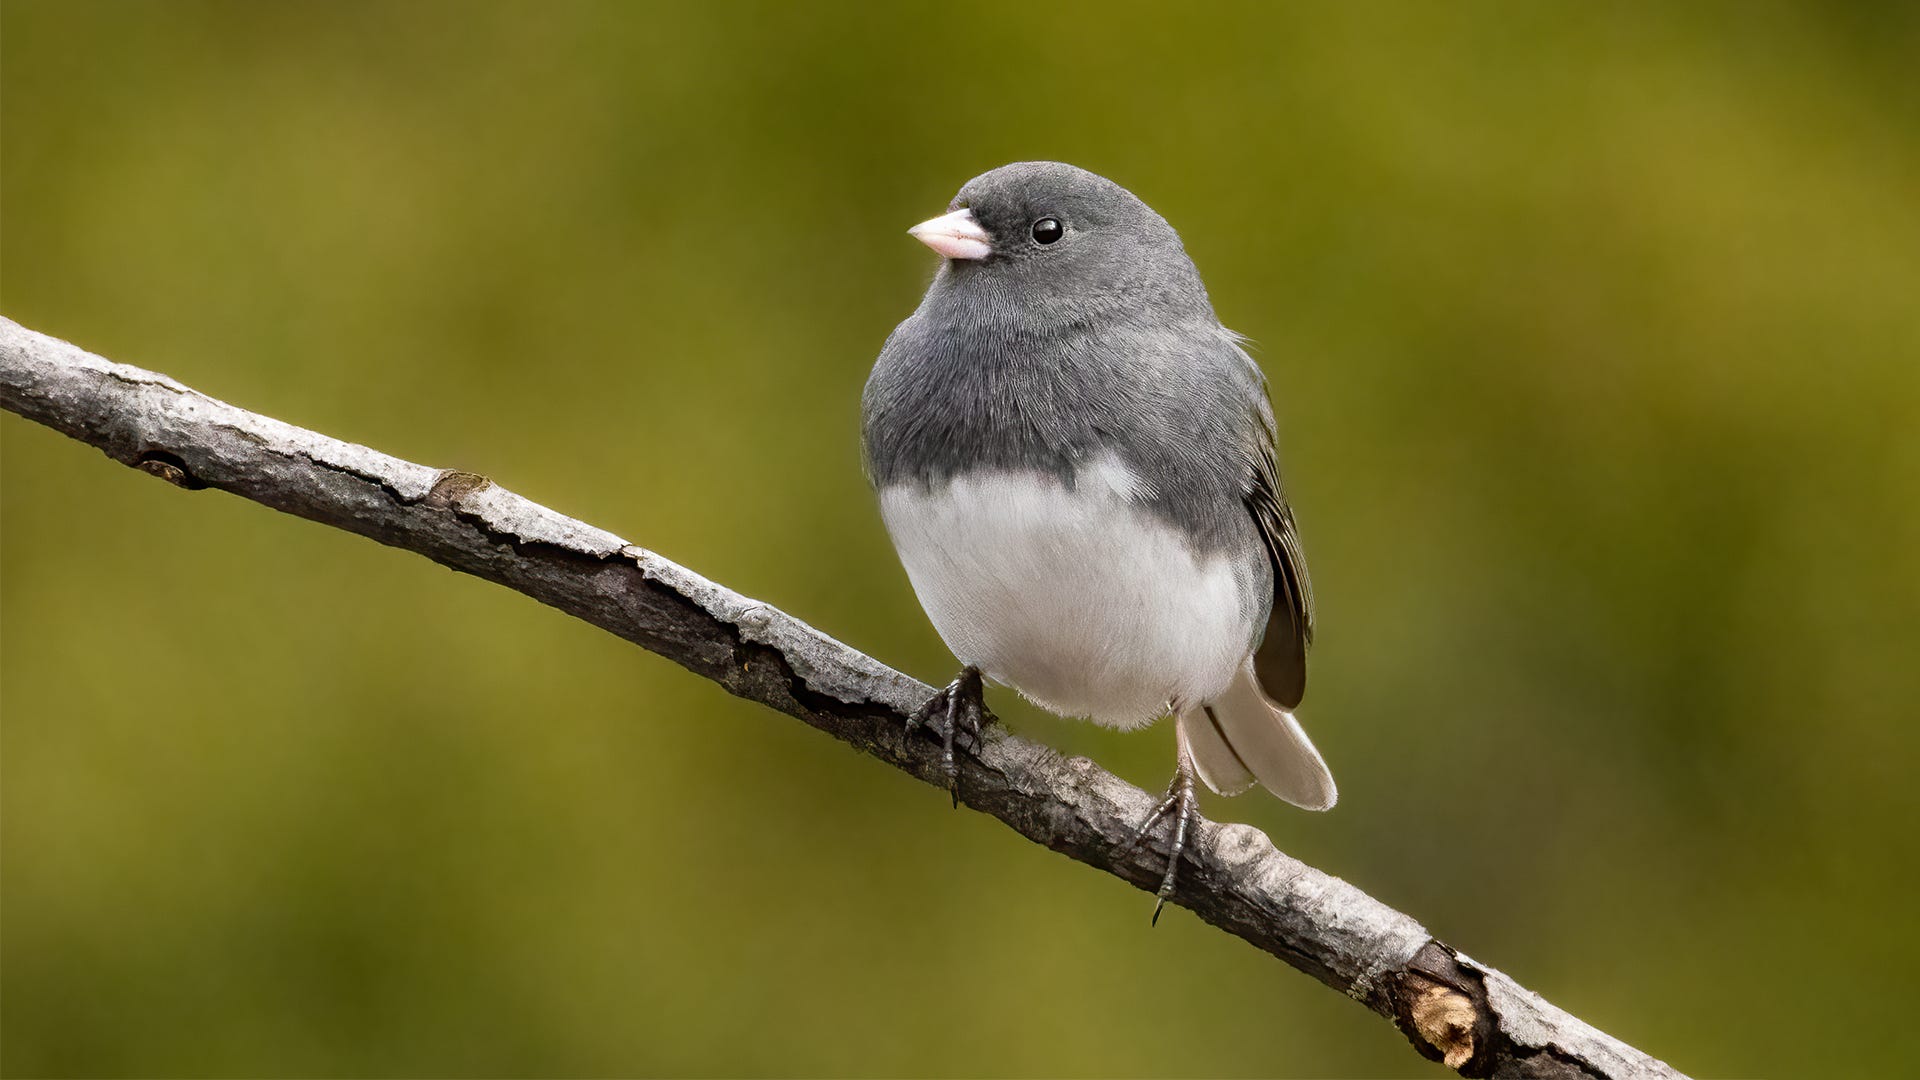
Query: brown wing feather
(1281,661)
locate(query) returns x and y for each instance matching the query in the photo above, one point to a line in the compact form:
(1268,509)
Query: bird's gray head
(1054,240)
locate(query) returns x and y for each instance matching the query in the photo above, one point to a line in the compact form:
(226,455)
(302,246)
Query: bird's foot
(1183,807)
(963,704)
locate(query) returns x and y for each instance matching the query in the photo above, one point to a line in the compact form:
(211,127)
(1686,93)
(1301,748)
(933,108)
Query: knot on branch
(451,486)
(1445,1018)
(168,467)
(1442,1009)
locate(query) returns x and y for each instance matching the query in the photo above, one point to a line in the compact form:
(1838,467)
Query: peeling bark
(1453,1010)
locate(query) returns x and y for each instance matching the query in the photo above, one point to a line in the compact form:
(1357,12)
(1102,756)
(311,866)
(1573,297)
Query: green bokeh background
(1595,334)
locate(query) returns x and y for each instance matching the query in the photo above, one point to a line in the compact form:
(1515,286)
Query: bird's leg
(1183,806)
(964,705)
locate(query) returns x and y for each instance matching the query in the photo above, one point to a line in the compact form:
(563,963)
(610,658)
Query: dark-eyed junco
(1076,463)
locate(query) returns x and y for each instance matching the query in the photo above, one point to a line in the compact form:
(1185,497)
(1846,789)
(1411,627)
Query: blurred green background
(1595,334)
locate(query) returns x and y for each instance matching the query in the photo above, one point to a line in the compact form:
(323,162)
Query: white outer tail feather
(1249,738)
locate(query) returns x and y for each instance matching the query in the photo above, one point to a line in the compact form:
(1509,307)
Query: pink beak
(956,236)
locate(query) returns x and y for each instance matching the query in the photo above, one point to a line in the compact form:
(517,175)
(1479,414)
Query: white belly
(1076,597)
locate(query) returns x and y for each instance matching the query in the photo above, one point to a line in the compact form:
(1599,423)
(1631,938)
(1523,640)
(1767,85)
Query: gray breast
(1177,404)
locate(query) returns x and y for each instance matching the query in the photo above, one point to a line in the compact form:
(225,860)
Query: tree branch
(1475,1019)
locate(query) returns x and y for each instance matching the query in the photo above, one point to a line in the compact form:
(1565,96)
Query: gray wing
(1281,660)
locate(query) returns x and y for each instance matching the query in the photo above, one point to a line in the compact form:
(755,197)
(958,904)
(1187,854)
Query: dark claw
(1184,807)
(963,703)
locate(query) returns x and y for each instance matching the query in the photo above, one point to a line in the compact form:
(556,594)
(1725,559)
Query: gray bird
(1075,461)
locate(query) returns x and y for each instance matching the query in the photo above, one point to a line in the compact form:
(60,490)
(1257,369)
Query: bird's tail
(1242,736)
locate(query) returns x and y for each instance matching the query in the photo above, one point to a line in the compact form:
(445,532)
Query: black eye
(1047,230)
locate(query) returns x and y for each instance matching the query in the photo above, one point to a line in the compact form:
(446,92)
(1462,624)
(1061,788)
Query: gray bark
(1451,1008)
